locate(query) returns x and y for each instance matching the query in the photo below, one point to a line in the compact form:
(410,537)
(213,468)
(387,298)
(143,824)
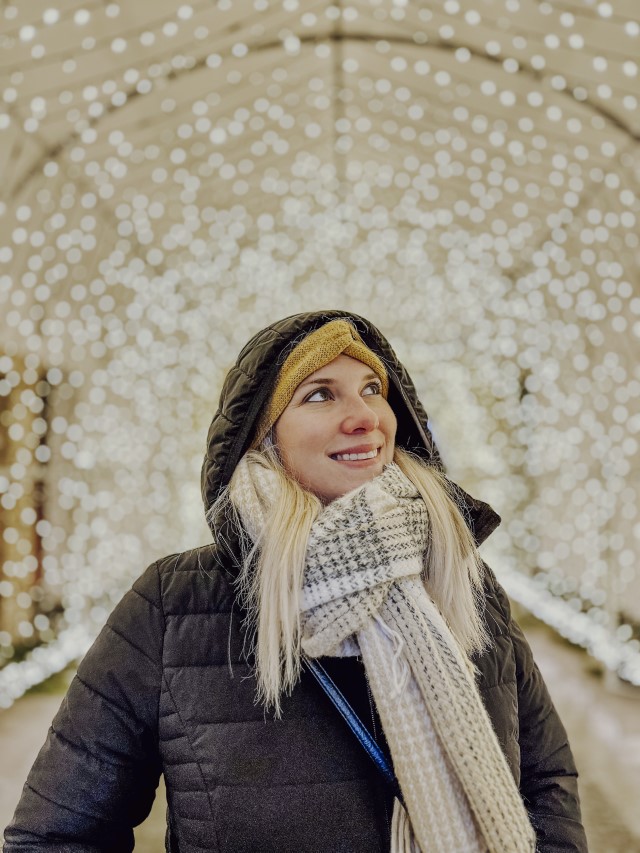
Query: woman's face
(336,414)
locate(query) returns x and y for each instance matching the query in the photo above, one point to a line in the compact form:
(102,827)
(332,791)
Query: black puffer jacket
(167,689)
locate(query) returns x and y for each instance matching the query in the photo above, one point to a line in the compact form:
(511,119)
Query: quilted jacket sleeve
(95,777)
(548,781)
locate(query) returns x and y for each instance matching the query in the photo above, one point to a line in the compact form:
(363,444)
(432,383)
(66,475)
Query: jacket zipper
(375,737)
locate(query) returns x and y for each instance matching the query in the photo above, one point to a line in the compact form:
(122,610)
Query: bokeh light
(175,177)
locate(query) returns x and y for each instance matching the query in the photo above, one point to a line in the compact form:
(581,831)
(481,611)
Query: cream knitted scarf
(362,589)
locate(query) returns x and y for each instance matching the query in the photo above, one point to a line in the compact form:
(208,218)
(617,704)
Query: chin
(365,477)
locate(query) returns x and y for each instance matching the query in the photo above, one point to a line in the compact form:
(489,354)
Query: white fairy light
(611,650)
(42,662)
(51,16)
(27,32)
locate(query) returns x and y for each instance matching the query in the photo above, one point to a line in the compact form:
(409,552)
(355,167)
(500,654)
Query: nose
(359,418)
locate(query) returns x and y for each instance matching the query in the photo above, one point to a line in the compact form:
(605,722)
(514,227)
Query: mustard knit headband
(314,351)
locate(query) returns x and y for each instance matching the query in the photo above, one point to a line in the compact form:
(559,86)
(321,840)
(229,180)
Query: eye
(372,388)
(318,396)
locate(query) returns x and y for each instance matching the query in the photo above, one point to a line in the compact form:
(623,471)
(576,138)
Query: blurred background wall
(462,172)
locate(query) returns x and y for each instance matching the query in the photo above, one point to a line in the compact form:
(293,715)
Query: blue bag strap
(355,724)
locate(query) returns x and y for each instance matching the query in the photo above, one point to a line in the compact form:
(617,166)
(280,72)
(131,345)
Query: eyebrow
(329,381)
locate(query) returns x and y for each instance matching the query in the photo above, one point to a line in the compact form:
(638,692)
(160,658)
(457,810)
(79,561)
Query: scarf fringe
(402,837)
(401,671)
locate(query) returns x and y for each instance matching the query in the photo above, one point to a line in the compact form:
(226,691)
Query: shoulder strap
(355,724)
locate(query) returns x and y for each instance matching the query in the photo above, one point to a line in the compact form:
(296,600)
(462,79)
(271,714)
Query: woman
(340,550)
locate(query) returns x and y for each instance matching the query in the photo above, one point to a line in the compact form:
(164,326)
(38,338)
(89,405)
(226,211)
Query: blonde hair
(272,568)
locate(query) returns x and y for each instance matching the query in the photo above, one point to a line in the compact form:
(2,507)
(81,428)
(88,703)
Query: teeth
(352,457)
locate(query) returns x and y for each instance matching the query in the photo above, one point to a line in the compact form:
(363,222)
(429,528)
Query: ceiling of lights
(151,99)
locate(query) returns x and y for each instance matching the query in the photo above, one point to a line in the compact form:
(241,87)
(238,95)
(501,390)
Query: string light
(41,663)
(176,181)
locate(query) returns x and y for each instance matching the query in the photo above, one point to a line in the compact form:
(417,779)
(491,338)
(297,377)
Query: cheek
(390,424)
(390,434)
(298,436)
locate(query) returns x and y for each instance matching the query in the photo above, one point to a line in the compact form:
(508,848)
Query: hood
(251,380)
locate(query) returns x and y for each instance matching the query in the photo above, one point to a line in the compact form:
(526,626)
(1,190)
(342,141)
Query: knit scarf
(363,591)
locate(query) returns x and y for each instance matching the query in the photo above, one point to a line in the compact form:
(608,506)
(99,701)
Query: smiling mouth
(355,457)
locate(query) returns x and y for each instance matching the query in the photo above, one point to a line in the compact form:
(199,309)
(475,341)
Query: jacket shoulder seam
(133,645)
(164,632)
(148,600)
(106,699)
